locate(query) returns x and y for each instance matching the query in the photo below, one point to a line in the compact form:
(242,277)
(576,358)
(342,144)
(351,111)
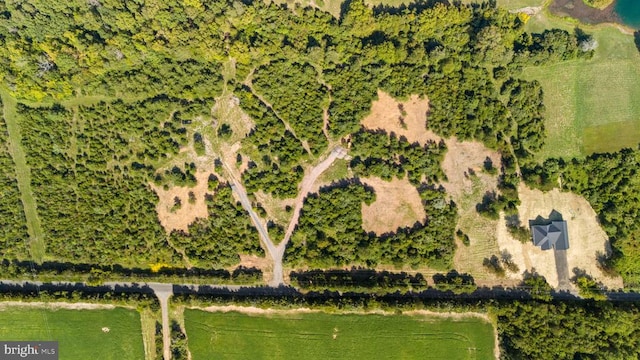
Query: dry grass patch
(462,161)
(192,204)
(467,183)
(407,118)
(275,208)
(253,261)
(397,205)
(586,237)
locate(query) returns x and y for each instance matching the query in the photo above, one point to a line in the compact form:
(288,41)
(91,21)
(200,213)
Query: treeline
(120,295)
(611,184)
(357,279)
(330,234)
(13,224)
(96,274)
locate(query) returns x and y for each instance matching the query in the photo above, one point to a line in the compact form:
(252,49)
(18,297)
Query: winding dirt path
(277,252)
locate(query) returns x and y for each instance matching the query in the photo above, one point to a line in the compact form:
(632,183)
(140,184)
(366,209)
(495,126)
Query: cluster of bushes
(220,238)
(90,168)
(376,153)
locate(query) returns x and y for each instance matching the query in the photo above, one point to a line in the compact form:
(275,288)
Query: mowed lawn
(79,332)
(592,105)
(232,335)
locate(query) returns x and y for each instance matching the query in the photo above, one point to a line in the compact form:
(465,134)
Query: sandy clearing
(386,114)
(586,237)
(56,305)
(181,218)
(253,261)
(397,205)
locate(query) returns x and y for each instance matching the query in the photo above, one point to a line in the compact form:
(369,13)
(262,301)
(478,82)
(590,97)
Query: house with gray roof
(552,235)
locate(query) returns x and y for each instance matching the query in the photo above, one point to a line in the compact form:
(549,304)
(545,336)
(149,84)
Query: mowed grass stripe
(23,177)
(235,335)
(79,332)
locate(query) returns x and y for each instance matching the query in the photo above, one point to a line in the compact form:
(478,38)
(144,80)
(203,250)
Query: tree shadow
(554,215)
(636,39)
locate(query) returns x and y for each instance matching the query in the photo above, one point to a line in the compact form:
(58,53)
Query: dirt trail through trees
(277,252)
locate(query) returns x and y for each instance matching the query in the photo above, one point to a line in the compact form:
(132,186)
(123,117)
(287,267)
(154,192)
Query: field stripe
(23,176)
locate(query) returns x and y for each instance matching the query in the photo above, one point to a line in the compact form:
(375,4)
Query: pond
(629,12)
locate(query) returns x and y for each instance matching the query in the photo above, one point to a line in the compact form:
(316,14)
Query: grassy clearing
(79,332)
(481,231)
(148,322)
(330,336)
(23,176)
(591,104)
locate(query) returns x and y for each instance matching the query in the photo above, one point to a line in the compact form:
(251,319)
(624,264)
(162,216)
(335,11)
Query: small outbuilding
(552,235)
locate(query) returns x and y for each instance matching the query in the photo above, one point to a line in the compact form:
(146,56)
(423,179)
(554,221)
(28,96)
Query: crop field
(79,332)
(591,104)
(233,335)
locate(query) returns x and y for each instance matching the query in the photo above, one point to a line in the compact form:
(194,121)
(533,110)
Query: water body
(586,14)
(629,12)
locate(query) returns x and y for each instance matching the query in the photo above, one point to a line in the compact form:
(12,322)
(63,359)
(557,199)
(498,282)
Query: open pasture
(296,335)
(82,334)
(591,104)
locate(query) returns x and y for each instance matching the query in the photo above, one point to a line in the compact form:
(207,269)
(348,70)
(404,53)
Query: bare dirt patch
(586,237)
(173,218)
(56,305)
(252,261)
(407,118)
(397,205)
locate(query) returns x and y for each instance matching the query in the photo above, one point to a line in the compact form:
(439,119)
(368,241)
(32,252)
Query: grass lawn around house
(233,335)
(591,104)
(79,332)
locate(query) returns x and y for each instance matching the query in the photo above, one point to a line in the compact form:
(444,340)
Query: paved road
(163,292)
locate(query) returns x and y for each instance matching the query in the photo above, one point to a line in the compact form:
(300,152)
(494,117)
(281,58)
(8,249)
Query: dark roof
(553,235)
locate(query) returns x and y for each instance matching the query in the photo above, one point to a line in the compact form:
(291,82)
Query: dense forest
(109,92)
(568,331)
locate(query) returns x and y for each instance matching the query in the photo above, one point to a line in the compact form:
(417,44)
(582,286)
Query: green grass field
(311,336)
(23,176)
(79,332)
(592,105)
